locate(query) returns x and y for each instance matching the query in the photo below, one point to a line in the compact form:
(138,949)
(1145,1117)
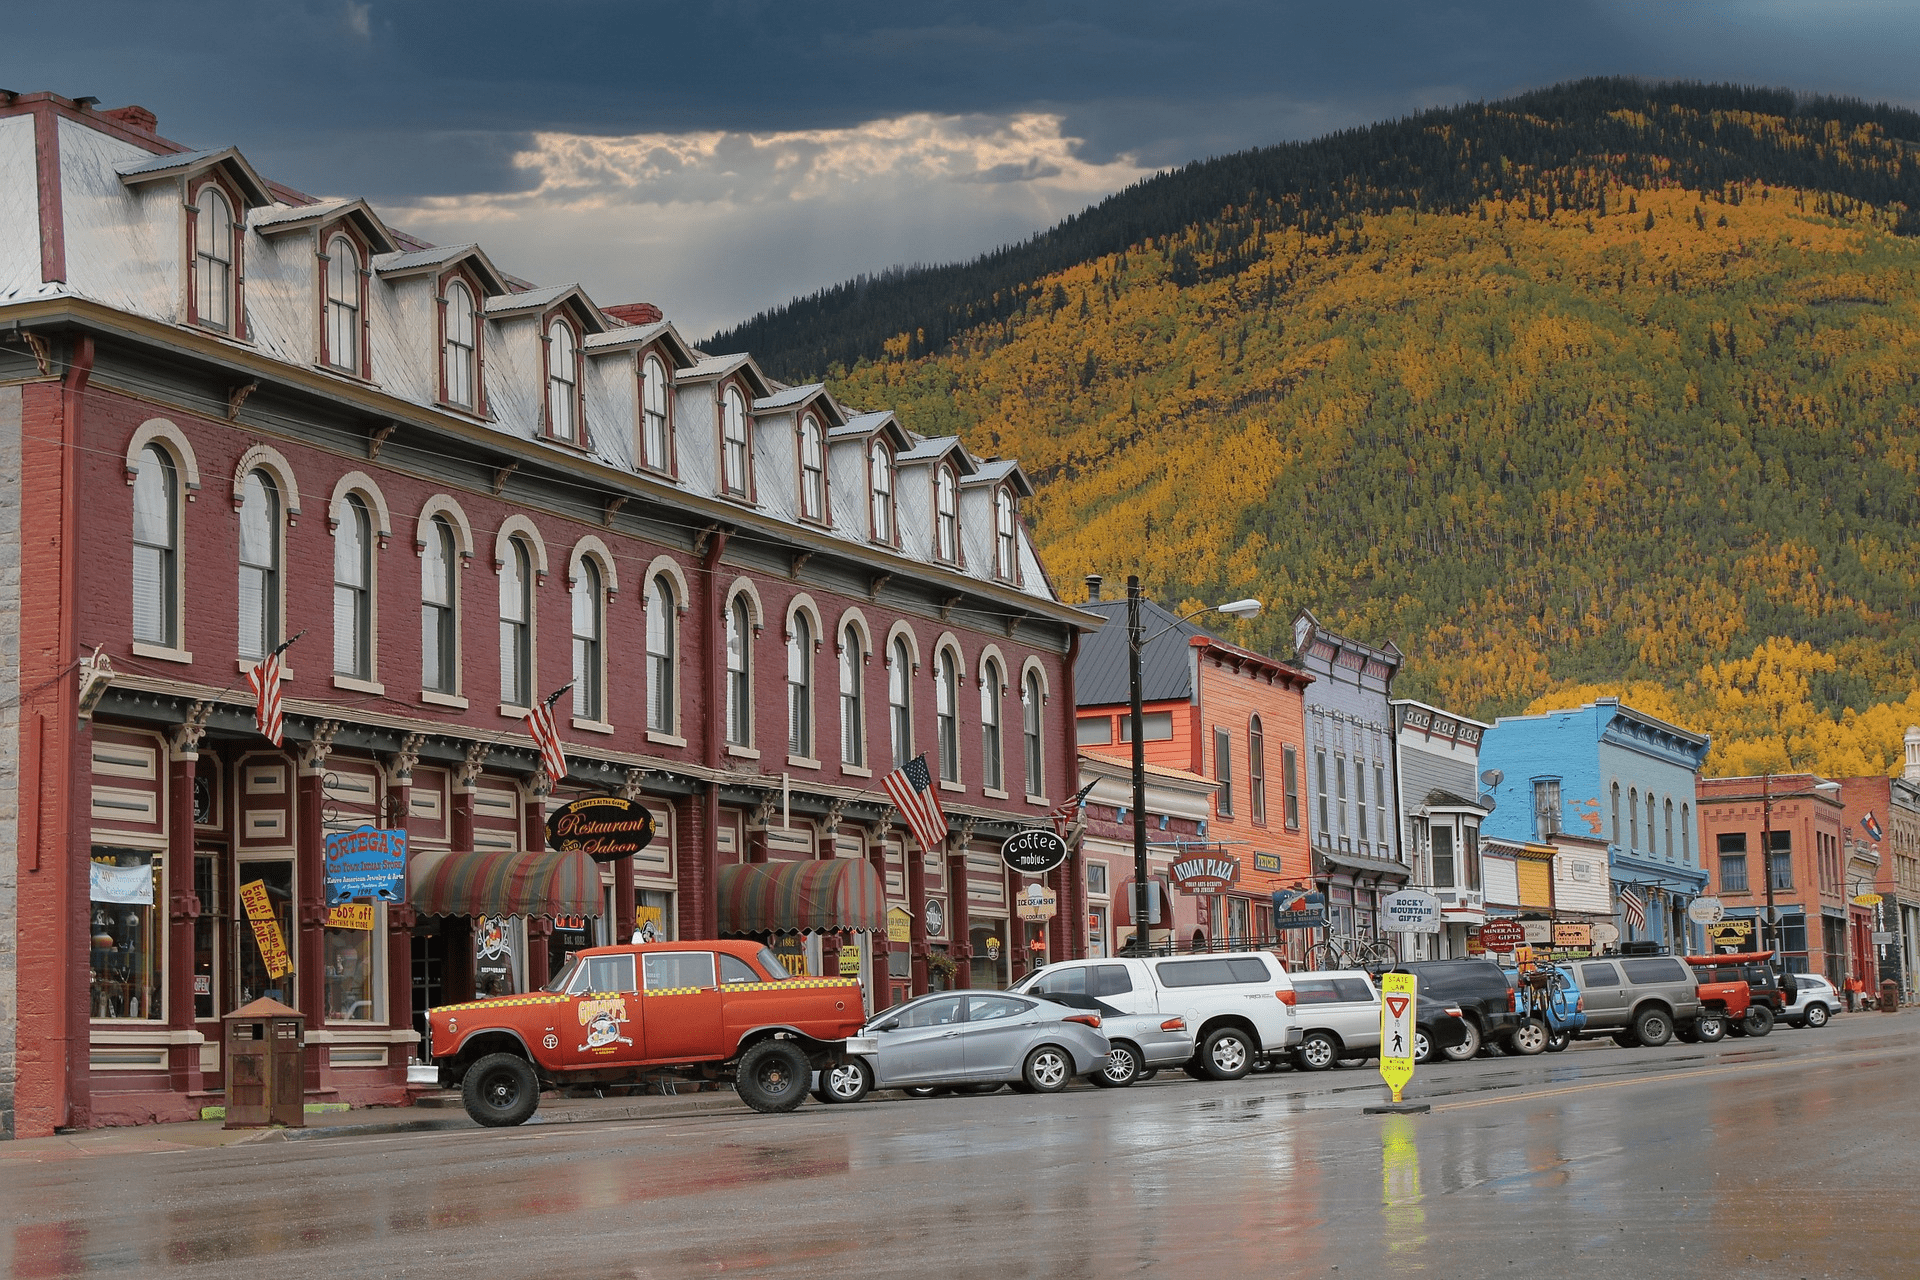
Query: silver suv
(1638,1000)
(1339,1014)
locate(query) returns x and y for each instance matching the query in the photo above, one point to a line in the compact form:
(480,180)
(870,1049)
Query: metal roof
(1166,660)
(929,450)
(998,469)
(399,264)
(787,398)
(183,163)
(298,217)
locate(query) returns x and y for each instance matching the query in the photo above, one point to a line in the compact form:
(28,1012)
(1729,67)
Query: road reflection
(1403,1207)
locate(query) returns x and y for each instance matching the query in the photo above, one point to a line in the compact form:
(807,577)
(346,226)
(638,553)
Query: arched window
(439,665)
(516,625)
(1030,698)
(1616,813)
(1257,770)
(213,260)
(563,382)
(993,774)
(813,469)
(1633,818)
(661,609)
(353,591)
(1650,833)
(739,676)
(946,502)
(156,548)
(733,442)
(654,442)
(800,688)
(1686,834)
(259,565)
(1669,815)
(589,700)
(460,357)
(900,703)
(946,713)
(1003,536)
(342,327)
(853,725)
(880,463)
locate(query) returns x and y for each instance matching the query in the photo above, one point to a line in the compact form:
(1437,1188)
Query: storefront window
(1097,931)
(266,933)
(209,933)
(125,960)
(652,916)
(351,963)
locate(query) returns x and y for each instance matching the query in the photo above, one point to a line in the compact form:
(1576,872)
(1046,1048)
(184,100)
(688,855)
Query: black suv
(1478,988)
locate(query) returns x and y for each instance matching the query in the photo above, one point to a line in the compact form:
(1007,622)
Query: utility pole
(1136,721)
(1771,940)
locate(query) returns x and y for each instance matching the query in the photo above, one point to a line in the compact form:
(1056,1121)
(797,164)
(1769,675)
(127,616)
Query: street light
(1135,718)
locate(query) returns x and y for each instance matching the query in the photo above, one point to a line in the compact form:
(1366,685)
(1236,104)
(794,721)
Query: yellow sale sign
(1396,1030)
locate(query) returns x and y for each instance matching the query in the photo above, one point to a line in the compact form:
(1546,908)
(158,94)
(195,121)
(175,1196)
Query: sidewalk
(430,1113)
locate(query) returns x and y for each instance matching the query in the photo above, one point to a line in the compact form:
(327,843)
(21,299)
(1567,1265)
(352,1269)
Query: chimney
(137,118)
(1093,593)
(1912,772)
(634,313)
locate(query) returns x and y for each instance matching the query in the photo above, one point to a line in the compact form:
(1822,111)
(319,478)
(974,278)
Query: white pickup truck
(1239,1003)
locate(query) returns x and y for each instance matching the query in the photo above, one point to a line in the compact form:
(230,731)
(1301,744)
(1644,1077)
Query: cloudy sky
(720,156)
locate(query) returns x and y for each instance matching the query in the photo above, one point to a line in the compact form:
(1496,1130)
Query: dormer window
(946,503)
(655,440)
(460,348)
(733,442)
(345,305)
(215,260)
(1004,544)
(813,469)
(563,381)
(880,467)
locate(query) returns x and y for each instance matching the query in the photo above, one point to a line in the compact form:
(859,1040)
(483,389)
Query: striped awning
(802,897)
(490,882)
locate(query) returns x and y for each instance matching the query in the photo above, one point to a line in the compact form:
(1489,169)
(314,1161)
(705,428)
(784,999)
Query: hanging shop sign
(1269,862)
(367,862)
(1036,902)
(1299,909)
(1731,935)
(350,915)
(605,828)
(1033,852)
(1502,935)
(266,929)
(1572,935)
(1867,900)
(936,919)
(1207,875)
(1539,933)
(1706,911)
(1605,935)
(1410,911)
(899,925)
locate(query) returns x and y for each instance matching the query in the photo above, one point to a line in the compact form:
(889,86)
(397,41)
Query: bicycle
(1351,951)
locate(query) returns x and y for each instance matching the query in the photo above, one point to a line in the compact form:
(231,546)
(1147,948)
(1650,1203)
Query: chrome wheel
(1317,1051)
(1816,1015)
(1122,1069)
(846,1082)
(1047,1070)
(1228,1055)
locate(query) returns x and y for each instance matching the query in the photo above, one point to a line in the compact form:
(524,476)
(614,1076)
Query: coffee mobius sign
(1033,852)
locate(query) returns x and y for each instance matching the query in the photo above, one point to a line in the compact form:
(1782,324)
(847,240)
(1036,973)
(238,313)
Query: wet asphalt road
(1796,1155)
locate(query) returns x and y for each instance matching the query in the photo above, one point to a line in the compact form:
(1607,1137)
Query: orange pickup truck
(626,1015)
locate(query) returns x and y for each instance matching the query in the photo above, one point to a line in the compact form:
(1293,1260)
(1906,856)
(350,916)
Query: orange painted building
(1232,716)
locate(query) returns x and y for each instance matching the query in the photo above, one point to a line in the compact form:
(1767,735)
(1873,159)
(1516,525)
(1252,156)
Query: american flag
(911,787)
(1634,906)
(264,676)
(1064,813)
(546,736)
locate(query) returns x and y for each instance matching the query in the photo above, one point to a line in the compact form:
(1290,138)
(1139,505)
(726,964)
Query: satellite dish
(1492,778)
(1486,801)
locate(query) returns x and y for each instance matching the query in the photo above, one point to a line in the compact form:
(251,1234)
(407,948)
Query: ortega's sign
(605,828)
(1033,852)
(1206,875)
(367,862)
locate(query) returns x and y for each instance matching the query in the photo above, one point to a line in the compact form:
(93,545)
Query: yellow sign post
(1396,1030)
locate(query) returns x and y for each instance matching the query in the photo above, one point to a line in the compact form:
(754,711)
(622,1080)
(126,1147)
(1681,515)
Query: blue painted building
(1607,772)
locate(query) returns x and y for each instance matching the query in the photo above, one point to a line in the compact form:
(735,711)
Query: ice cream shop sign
(1205,874)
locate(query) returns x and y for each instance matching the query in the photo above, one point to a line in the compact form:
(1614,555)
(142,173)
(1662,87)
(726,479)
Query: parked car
(1770,989)
(970,1038)
(1814,1001)
(1724,1004)
(1637,1000)
(1239,1004)
(1339,1014)
(1479,989)
(1437,1027)
(1138,1044)
(1554,1000)
(618,1015)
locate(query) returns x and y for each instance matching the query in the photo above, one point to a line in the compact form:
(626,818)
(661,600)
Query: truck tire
(500,1090)
(848,1081)
(1227,1054)
(1710,1028)
(1759,1021)
(1047,1069)
(1466,1049)
(1317,1052)
(1123,1066)
(1653,1027)
(1529,1038)
(772,1076)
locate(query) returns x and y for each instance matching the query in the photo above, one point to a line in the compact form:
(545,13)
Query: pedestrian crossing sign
(1396,1030)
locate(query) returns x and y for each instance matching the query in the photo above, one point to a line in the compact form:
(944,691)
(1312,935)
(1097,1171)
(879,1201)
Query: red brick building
(1222,713)
(239,416)
(1802,816)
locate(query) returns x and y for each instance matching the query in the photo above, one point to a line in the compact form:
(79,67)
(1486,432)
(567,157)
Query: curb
(458,1120)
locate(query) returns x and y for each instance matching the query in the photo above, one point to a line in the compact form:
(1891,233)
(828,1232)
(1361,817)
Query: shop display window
(352,962)
(125,960)
(209,932)
(258,936)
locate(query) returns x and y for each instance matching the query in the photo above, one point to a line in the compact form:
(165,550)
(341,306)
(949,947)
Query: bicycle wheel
(1321,955)
(1382,951)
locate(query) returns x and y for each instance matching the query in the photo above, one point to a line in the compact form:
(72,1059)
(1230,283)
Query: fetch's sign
(1205,875)
(605,828)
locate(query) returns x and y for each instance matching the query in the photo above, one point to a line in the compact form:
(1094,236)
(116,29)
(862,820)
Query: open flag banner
(264,677)
(911,788)
(1871,825)
(546,736)
(1064,813)
(1633,906)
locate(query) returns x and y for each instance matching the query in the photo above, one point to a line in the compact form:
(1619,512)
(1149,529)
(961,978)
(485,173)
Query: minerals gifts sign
(368,862)
(1206,875)
(1411,911)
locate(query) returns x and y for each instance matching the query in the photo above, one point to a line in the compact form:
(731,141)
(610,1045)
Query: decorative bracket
(183,739)
(314,752)
(612,509)
(876,583)
(800,559)
(379,438)
(500,475)
(42,353)
(467,772)
(237,396)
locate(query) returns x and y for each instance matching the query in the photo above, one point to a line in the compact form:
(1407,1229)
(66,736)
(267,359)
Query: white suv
(1238,1003)
(1814,1002)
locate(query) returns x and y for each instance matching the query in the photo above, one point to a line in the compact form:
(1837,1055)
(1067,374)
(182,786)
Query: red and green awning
(802,897)
(488,882)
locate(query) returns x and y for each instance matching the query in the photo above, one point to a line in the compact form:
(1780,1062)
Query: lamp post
(1768,939)
(1135,720)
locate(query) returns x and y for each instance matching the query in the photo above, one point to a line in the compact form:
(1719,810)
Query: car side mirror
(887,1026)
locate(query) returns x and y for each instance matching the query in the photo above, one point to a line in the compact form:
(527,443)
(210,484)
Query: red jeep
(625,1015)
(1763,991)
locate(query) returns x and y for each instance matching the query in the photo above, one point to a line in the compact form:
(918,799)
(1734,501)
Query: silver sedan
(985,1038)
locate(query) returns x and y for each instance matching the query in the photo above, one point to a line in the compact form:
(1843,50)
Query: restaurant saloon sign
(605,828)
(1033,852)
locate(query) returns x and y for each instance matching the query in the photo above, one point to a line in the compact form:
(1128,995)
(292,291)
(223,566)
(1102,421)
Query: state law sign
(1397,991)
